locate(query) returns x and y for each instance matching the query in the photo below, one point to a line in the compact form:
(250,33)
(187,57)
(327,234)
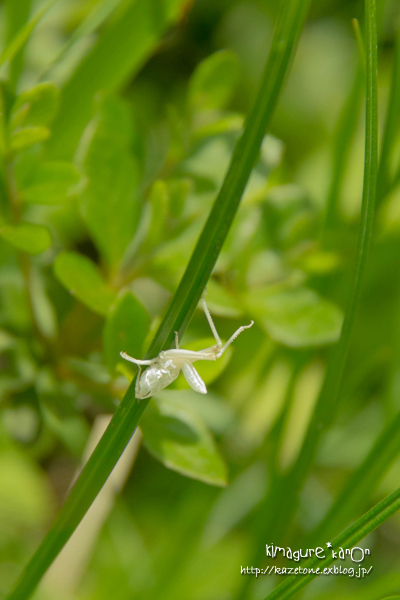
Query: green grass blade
(183,304)
(380,513)
(391,126)
(364,480)
(330,390)
(23,35)
(346,129)
(280,503)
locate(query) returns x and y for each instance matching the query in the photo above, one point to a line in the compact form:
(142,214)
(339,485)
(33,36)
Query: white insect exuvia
(165,368)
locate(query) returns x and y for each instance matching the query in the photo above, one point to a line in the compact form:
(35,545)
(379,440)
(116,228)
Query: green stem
(127,415)
(330,390)
(281,501)
(391,127)
(342,144)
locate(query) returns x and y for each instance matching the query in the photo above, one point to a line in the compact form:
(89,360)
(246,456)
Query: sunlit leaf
(180,440)
(125,330)
(109,202)
(297,317)
(220,302)
(27,136)
(29,237)
(51,183)
(214,80)
(82,279)
(35,107)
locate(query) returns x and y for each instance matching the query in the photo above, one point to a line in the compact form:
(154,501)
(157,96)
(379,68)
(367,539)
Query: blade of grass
(341,148)
(362,482)
(279,505)
(20,38)
(365,479)
(391,126)
(380,513)
(330,391)
(128,413)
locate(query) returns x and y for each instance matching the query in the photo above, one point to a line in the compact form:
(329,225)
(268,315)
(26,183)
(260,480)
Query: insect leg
(193,378)
(233,337)
(135,360)
(176,341)
(211,323)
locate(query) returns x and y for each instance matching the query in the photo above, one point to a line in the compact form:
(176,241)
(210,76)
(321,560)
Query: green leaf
(126,329)
(159,202)
(114,59)
(296,318)
(35,107)
(109,202)
(25,497)
(100,12)
(221,303)
(214,80)
(52,182)
(82,279)
(27,136)
(29,237)
(178,438)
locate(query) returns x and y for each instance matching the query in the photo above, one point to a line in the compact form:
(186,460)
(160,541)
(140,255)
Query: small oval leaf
(298,317)
(82,279)
(214,81)
(52,182)
(36,106)
(29,237)
(177,436)
(27,136)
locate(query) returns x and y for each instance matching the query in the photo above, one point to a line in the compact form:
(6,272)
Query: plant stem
(281,501)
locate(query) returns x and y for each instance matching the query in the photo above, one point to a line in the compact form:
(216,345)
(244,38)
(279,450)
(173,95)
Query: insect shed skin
(165,368)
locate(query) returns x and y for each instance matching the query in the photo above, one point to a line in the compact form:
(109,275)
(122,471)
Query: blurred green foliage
(118,121)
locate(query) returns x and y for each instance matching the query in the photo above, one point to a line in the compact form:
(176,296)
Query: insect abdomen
(155,379)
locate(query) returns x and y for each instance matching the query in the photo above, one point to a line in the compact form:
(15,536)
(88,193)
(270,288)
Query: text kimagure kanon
(356,554)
